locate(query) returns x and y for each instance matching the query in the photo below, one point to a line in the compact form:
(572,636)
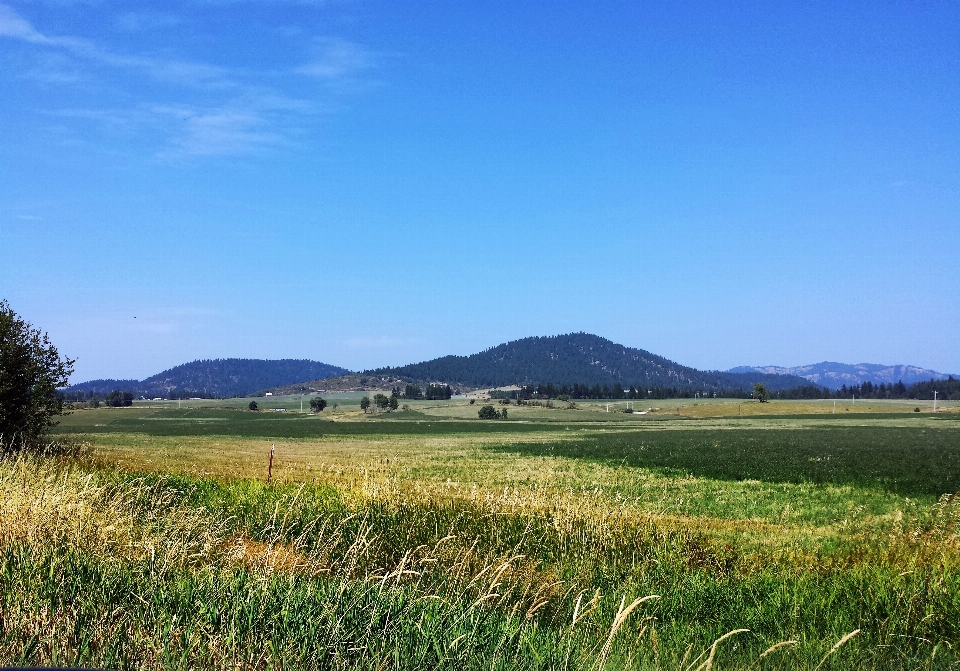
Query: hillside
(213,378)
(576,358)
(835,375)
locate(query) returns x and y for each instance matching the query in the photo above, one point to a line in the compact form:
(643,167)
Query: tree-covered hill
(576,358)
(213,378)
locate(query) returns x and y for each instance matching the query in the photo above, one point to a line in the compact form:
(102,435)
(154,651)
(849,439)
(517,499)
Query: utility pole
(934,400)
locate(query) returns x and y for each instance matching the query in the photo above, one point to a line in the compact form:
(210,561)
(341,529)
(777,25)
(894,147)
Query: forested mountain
(835,375)
(212,378)
(576,358)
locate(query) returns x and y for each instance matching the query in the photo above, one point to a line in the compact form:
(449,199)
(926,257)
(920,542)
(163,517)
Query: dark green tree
(488,412)
(365,403)
(438,392)
(253,405)
(119,399)
(317,404)
(382,401)
(394,403)
(31,372)
(760,392)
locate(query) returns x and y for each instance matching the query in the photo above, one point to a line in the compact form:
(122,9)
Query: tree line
(584,391)
(434,392)
(947,390)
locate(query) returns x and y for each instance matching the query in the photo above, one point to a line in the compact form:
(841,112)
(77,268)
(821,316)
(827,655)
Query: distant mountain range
(217,378)
(571,359)
(575,358)
(835,375)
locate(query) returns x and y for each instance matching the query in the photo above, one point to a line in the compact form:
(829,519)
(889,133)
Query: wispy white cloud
(182,72)
(14,25)
(251,116)
(235,128)
(337,59)
(53,68)
(146,20)
(224,131)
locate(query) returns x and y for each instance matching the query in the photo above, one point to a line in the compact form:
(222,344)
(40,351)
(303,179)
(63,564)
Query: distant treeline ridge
(948,389)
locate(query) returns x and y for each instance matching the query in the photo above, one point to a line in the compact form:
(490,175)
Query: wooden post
(270,465)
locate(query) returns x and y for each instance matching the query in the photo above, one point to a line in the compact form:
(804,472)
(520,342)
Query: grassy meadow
(703,534)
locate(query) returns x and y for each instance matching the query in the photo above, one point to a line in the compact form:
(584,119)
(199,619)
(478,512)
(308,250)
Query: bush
(253,405)
(488,412)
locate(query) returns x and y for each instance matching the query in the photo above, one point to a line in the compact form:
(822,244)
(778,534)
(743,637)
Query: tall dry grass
(104,568)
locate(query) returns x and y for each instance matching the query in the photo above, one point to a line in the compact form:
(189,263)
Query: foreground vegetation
(417,542)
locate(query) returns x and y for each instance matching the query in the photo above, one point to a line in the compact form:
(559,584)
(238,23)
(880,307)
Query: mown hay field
(424,539)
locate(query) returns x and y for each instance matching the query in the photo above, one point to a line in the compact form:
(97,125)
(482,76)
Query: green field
(427,538)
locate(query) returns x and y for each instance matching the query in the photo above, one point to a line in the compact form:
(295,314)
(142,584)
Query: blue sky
(369,183)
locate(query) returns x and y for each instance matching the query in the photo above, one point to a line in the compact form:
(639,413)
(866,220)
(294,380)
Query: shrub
(488,412)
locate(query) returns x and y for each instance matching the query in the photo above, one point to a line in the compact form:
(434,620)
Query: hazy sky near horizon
(369,183)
